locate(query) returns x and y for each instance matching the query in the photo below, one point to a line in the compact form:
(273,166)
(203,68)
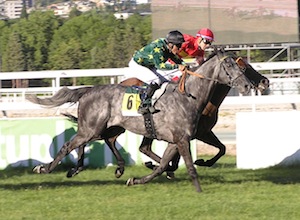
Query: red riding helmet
(206,33)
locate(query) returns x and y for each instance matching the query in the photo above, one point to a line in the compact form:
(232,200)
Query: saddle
(133,96)
(132,100)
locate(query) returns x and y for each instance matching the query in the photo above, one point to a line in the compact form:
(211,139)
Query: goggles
(205,41)
(178,45)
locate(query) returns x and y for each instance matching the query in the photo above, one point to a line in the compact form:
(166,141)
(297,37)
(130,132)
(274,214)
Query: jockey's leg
(145,106)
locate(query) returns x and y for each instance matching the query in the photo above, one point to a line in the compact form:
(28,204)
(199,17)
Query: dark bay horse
(209,118)
(99,111)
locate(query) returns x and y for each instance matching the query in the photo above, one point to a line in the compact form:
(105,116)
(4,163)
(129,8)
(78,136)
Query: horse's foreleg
(211,139)
(111,142)
(167,156)
(185,152)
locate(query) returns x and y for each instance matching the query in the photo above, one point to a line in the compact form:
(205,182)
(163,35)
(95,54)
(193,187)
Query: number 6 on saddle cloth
(133,97)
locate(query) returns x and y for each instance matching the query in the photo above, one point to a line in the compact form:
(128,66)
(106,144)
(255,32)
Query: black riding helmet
(175,37)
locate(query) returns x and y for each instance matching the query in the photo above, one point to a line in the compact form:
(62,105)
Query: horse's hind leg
(111,143)
(80,163)
(65,150)
(110,136)
(164,162)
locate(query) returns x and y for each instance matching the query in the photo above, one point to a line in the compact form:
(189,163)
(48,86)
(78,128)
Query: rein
(239,61)
(183,77)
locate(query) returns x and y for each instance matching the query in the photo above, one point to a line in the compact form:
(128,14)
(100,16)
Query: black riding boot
(145,106)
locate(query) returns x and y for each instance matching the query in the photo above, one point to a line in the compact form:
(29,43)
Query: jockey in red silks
(194,47)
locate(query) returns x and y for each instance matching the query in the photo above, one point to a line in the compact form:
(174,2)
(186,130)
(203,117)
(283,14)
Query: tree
(95,39)
(67,56)
(36,34)
(24,13)
(14,59)
(74,13)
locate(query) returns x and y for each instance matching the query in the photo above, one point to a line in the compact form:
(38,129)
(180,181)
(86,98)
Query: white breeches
(146,75)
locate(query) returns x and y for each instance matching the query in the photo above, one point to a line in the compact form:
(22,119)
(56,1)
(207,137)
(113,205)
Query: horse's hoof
(170,175)
(118,173)
(149,165)
(74,172)
(200,162)
(130,182)
(39,169)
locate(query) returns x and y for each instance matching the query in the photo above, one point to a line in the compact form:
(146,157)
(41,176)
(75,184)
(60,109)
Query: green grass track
(228,193)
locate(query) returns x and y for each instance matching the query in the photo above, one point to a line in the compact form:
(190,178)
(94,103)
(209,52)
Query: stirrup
(143,110)
(152,110)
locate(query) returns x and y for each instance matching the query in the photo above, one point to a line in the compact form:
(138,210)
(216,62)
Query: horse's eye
(228,65)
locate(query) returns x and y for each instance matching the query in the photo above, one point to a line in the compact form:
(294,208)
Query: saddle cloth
(132,99)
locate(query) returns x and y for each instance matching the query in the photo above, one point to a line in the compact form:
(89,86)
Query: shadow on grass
(52,185)
(222,172)
(281,175)
(225,171)
(277,175)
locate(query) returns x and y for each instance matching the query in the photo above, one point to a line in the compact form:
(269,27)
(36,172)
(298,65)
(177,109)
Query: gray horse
(204,132)
(99,111)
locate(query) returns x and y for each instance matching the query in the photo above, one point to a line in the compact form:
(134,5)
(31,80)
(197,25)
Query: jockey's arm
(162,65)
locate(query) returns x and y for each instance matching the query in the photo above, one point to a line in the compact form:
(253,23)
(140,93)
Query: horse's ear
(215,49)
(222,49)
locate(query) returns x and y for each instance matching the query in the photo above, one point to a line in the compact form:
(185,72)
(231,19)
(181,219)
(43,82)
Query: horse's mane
(211,55)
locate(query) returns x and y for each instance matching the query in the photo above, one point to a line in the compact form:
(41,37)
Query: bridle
(239,61)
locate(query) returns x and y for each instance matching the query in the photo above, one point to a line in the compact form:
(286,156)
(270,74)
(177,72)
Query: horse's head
(259,81)
(229,72)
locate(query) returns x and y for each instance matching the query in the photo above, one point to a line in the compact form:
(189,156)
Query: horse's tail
(63,96)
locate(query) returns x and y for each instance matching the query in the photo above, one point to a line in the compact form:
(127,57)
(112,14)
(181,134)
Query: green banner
(31,141)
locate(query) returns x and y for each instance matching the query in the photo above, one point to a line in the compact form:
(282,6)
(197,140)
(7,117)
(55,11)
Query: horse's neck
(201,89)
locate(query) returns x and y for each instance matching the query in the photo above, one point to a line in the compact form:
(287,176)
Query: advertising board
(31,141)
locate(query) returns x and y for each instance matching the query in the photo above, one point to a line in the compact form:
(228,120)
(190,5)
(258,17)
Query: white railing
(253,102)
(58,74)
(18,94)
(14,98)
(283,65)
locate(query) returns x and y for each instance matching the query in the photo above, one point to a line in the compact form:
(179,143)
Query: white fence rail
(14,98)
(251,101)
(56,76)
(283,65)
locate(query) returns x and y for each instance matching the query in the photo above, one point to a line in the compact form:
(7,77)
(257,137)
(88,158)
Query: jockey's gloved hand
(182,68)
